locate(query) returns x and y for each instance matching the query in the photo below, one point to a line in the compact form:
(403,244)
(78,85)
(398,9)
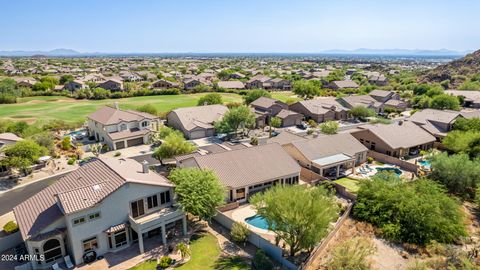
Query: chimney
(115,104)
(145,166)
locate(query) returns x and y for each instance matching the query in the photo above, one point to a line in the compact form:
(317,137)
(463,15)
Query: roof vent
(96,188)
(145,166)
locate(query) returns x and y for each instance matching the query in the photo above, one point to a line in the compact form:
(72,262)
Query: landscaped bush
(370,160)
(165,262)
(261,261)
(66,143)
(239,232)
(117,154)
(10,227)
(416,212)
(71,161)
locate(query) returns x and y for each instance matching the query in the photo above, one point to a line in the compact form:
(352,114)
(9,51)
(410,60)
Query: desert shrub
(261,261)
(416,212)
(10,227)
(352,255)
(71,161)
(66,143)
(239,232)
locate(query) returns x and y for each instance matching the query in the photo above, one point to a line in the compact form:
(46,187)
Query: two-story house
(102,207)
(265,108)
(121,128)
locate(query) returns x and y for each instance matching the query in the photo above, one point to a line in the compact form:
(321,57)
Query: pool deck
(245,211)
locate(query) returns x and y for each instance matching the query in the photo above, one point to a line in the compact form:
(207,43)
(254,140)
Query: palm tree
(184,250)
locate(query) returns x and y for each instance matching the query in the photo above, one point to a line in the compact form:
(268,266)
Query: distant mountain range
(466,66)
(362,51)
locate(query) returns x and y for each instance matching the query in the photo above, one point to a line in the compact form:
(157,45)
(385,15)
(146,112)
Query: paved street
(12,198)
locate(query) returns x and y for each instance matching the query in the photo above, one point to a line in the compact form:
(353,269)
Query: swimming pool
(397,171)
(425,163)
(257,221)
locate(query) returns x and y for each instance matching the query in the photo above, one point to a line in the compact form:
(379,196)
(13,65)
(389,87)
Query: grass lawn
(205,256)
(351,185)
(148,265)
(31,109)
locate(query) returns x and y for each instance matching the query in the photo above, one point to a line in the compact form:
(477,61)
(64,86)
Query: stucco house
(335,85)
(362,100)
(196,122)
(330,156)
(75,85)
(471,99)
(162,84)
(247,171)
(121,128)
(265,108)
(112,84)
(397,140)
(321,110)
(436,122)
(104,206)
(383,96)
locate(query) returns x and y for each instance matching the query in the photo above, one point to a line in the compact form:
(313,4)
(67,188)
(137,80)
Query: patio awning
(116,228)
(332,159)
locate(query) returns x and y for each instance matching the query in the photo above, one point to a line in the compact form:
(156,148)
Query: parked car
(303,126)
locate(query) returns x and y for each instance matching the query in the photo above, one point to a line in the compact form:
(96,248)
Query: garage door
(133,142)
(197,134)
(119,145)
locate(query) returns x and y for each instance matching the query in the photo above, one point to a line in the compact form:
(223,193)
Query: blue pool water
(425,163)
(390,169)
(257,221)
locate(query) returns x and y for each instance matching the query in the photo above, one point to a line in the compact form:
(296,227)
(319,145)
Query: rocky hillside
(455,71)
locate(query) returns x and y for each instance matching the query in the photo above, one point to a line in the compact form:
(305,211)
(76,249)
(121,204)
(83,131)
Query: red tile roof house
(121,128)
(104,206)
(247,171)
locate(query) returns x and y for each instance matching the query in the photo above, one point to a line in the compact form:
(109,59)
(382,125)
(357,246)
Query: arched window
(52,250)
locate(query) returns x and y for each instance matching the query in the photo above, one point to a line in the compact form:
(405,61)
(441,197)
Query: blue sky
(238,26)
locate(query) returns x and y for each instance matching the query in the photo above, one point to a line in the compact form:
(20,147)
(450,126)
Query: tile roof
(250,165)
(108,115)
(78,190)
(441,116)
(329,145)
(231,84)
(200,116)
(396,136)
(266,102)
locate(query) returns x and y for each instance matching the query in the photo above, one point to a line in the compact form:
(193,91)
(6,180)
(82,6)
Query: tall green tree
(417,212)
(210,99)
(235,119)
(361,112)
(306,89)
(458,173)
(329,127)
(255,94)
(299,215)
(23,154)
(199,191)
(172,146)
(445,102)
